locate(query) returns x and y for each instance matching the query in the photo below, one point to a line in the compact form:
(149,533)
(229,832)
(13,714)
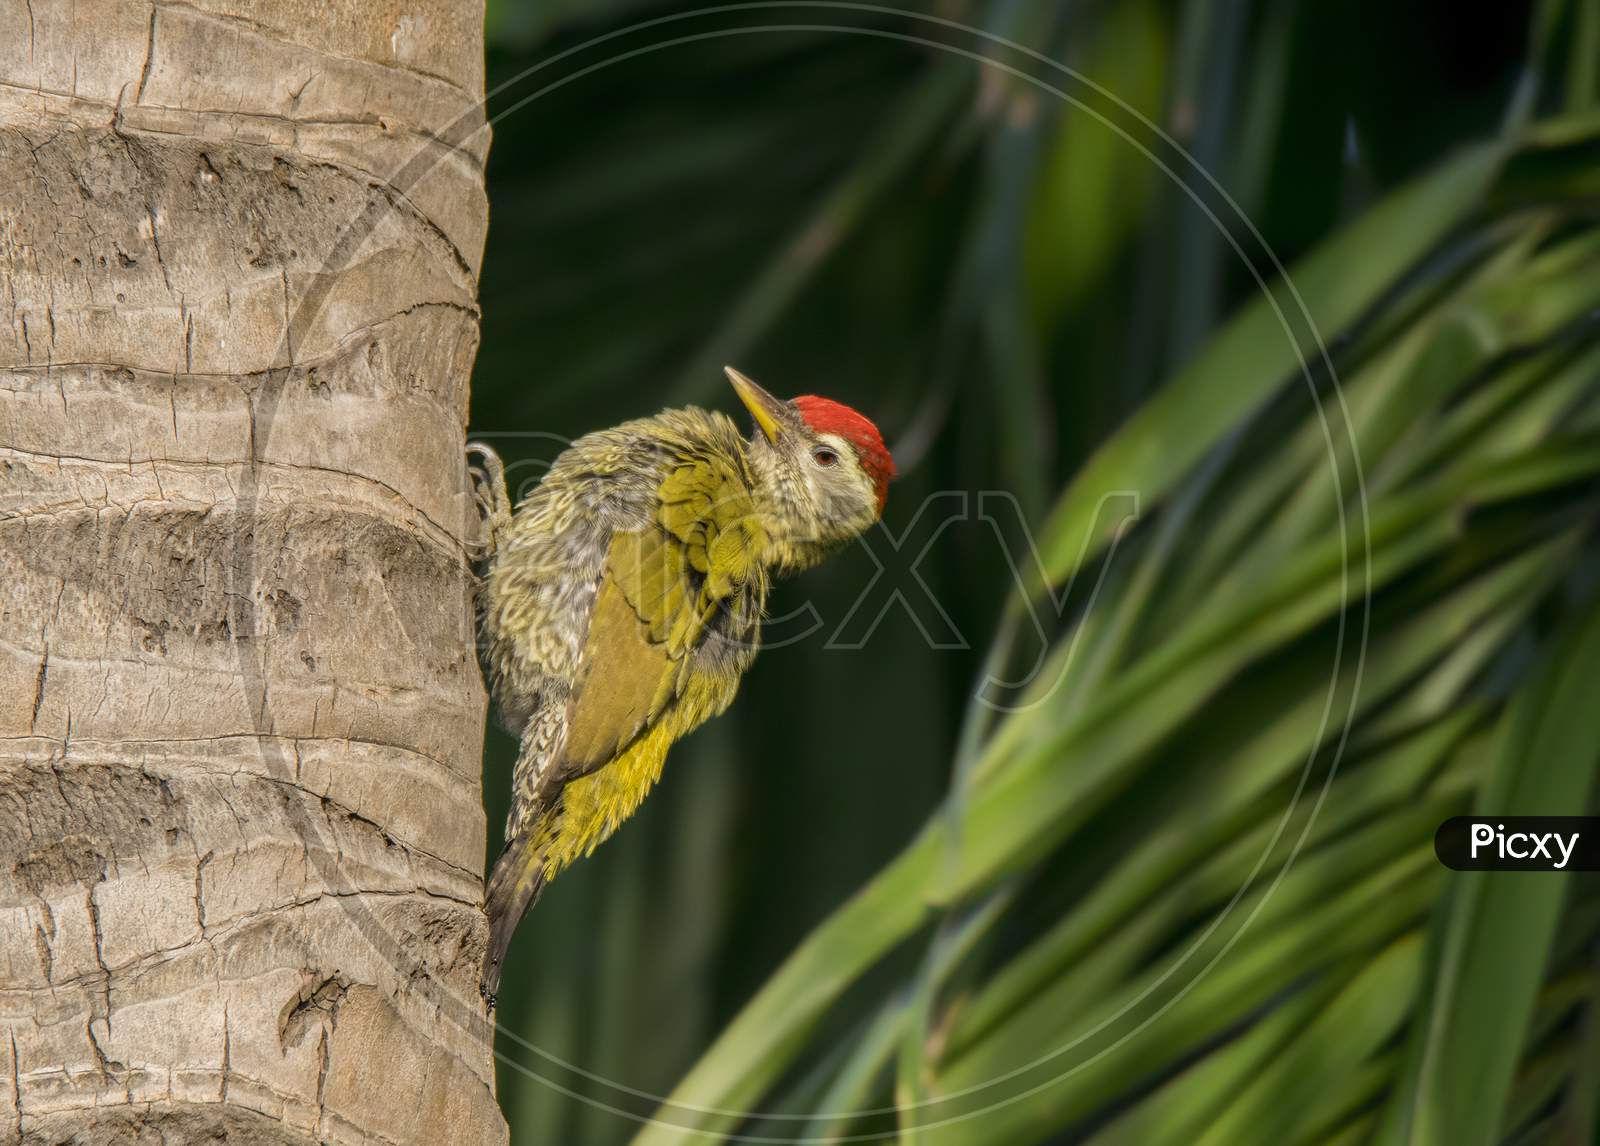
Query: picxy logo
(1522,845)
(1519,843)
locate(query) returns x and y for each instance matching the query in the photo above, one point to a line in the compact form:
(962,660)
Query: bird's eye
(825,456)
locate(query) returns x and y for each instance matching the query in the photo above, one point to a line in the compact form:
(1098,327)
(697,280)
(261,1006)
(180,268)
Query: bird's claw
(489,495)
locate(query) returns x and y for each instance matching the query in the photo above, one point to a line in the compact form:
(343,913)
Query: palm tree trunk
(241,834)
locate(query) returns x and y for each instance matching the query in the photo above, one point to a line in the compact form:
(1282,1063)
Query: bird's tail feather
(514,885)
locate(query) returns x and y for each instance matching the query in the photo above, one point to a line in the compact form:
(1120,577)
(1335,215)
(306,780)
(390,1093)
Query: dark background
(994,276)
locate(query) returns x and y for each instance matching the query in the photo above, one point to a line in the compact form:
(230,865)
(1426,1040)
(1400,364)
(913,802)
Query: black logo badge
(1519,843)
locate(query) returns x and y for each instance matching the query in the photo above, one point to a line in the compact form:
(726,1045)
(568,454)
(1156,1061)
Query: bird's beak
(763,407)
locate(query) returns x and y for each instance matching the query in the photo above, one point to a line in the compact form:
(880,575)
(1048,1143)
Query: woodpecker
(622,601)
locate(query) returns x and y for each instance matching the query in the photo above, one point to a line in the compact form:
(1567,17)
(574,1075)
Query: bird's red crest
(825,416)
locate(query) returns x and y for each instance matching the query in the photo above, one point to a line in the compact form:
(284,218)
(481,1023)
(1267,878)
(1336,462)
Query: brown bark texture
(241,834)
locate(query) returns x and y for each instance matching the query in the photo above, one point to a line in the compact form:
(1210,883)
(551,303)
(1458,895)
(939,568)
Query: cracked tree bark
(241,835)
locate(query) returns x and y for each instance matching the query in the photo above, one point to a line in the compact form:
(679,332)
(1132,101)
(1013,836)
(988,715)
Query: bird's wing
(662,587)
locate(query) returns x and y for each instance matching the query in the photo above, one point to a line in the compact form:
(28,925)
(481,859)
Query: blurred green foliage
(1185,892)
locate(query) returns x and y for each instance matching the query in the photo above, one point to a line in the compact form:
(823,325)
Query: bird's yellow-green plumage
(639,687)
(622,603)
